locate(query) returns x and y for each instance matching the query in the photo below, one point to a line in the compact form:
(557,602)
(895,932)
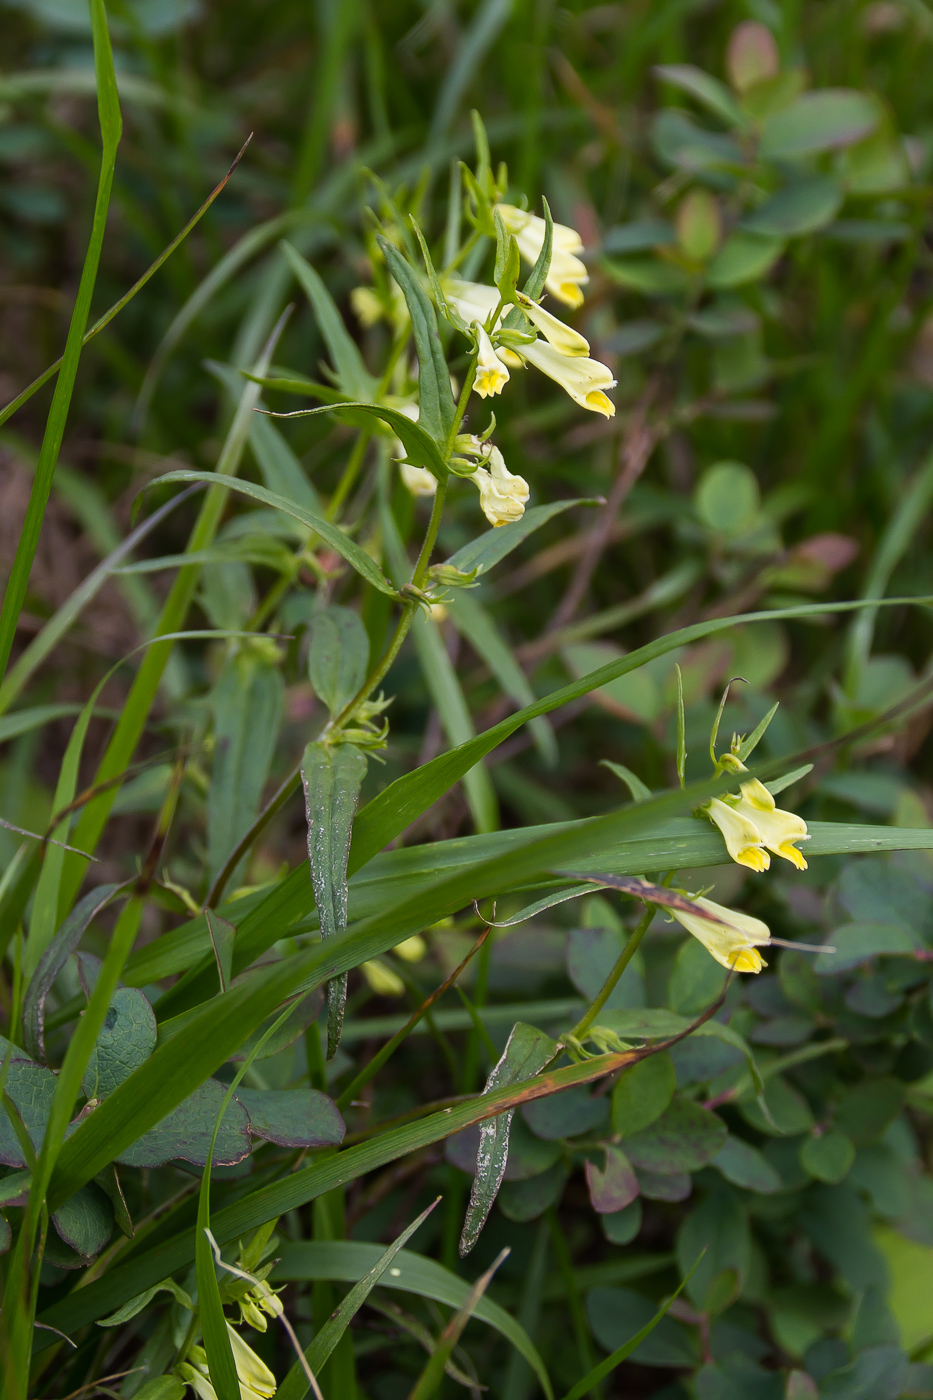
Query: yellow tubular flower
(473,301)
(563,339)
(383,981)
(502,496)
(567,274)
(412,949)
(741,835)
(252,1372)
(734,938)
(367,307)
(584,380)
(419,480)
(491,373)
(778,830)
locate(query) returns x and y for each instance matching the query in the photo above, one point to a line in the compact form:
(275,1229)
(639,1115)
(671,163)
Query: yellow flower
(382,980)
(474,301)
(778,829)
(367,307)
(733,939)
(258,1302)
(411,949)
(567,274)
(419,480)
(741,835)
(583,379)
(256,1380)
(491,373)
(502,496)
(563,338)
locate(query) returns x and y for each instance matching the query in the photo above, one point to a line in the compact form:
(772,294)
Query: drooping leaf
(332,778)
(338,656)
(337,539)
(527,1051)
(134,1306)
(436,400)
(186,1132)
(281,470)
(293,1117)
(127,1038)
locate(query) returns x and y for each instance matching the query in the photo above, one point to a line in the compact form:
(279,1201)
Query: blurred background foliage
(768,312)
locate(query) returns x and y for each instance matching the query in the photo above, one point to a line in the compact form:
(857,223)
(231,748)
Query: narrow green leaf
(247,703)
(447,694)
(332,778)
(108,105)
(281,470)
(332,534)
(433,1374)
(477,625)
(527,1051)
(492,547)
(352,375)
(538,275)
(638,790)
(436,399)
(295,1385)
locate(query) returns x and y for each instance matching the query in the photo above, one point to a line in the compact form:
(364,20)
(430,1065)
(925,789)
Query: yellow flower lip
(752,825)
(491,373)
(585,380)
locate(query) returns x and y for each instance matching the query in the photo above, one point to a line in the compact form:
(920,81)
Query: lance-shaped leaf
(331,534)
(527,1051)
(53,960)
(295,1386)
(437,401)
(332,778)
(338,656)
(488,549)
(433,1374)
(420,448)
(351,373)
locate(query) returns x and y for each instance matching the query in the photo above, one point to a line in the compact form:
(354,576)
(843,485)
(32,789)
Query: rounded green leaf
(526,1200)
(685,1138)
(818,121)
(622,1226)
(727,497)
(643,1093)
(827,1157)
(800,208)
(744,257)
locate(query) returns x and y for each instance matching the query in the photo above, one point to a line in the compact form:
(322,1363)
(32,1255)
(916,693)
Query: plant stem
(350,473)
(625,957)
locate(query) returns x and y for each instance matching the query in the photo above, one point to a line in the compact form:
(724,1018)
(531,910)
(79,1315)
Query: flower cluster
(255,1379)
(567,274)
(752,825)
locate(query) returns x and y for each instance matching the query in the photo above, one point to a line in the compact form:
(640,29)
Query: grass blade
(433,1373)
(111,126)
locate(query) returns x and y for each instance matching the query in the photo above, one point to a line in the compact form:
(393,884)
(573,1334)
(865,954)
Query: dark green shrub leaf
(591,955)
(738,1377)
(800,208)
(856,943)
(788,1108)
(614,1186)
(127,1038)
(665,1186)
(566,1115)
(685,1138)
(643,1092)
(818,121)
(293,1117)
(827,1157)
(744,257)
(616,1314)
(85,1221)
(696,981)
(526,1200)
(622,1226)
(745,1166)
(30,1088)
(867,1109)
(876,1374)
(186,1132)
(720,1227)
